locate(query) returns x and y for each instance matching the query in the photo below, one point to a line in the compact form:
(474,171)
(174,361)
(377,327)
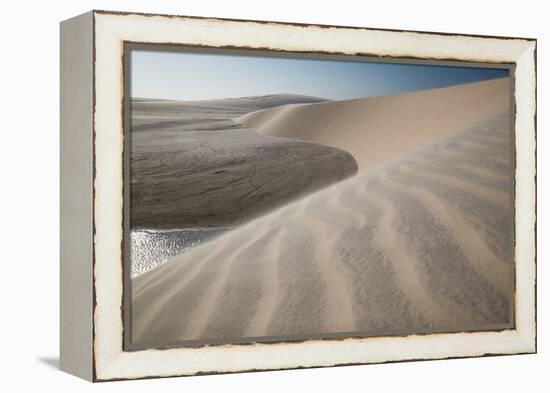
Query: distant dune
(421,239)
(148,112)
(378,129)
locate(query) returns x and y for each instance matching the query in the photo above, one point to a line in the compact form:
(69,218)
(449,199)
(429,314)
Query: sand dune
(377,130)
(422,239)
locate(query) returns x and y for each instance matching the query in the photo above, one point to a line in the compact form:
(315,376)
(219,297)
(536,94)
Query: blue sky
(196,76)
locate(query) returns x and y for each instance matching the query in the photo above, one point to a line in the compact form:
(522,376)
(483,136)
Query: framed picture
(245,195)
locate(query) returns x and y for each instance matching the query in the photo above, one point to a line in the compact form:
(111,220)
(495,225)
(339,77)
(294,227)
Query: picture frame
(94,286)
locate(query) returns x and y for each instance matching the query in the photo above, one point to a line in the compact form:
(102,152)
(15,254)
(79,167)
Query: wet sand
(193,166)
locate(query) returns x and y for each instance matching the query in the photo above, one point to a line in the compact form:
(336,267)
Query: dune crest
(377,130)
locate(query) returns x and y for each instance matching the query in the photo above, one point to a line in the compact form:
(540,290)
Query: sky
(201,76)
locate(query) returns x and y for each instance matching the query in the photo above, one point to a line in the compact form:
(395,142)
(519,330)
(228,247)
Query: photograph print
(275,197)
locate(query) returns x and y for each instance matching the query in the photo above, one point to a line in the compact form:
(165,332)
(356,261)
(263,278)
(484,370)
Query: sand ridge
(377,130)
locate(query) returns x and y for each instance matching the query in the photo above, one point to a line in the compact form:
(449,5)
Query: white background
(29,204)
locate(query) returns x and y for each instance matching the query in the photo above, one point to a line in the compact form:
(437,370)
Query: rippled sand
(422,241)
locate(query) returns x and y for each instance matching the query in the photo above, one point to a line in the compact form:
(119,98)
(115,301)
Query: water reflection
(151,248)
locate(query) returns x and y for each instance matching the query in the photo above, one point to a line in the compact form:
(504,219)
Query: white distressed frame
(111,30)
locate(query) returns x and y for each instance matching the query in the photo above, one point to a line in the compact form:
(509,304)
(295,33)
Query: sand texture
(420,240)
(193,166)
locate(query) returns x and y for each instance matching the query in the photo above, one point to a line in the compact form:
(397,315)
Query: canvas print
(278,197)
